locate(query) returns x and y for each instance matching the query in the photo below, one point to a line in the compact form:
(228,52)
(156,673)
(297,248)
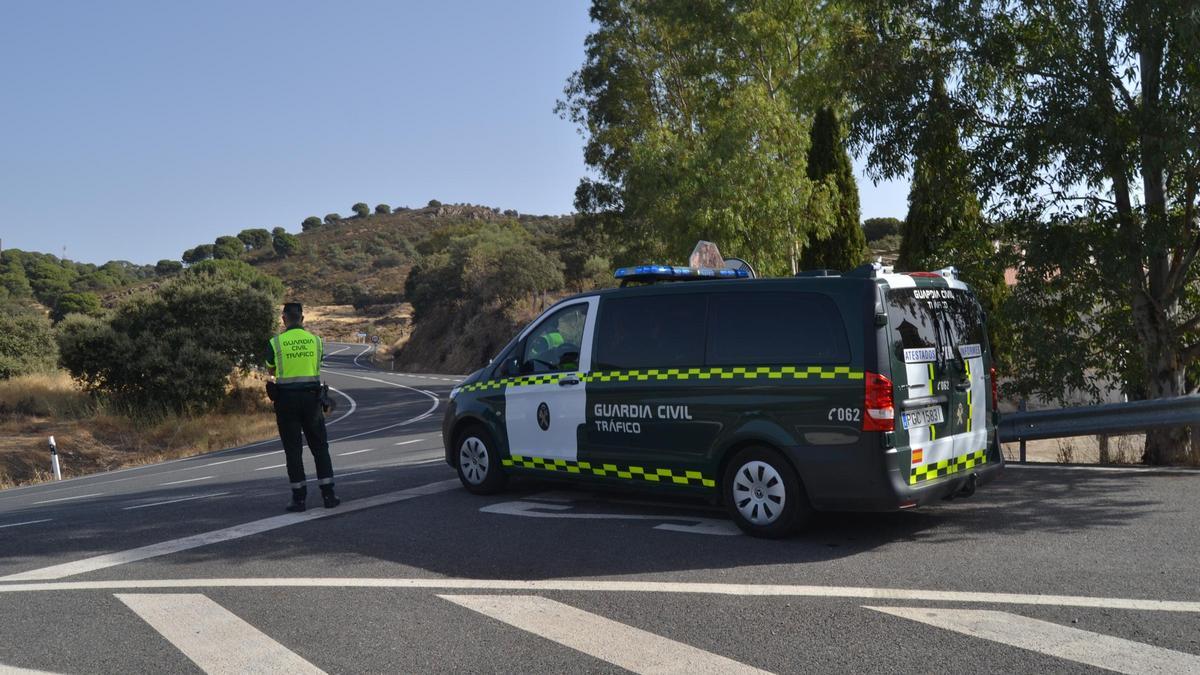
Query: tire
(763,494)
(478,465)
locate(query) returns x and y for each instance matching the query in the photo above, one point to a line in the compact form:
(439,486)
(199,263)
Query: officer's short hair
(293,310)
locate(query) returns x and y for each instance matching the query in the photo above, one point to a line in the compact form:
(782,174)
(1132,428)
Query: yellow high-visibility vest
(297,357)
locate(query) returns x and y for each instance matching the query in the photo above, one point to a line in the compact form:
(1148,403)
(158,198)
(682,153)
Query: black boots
(299,497)
(327,495)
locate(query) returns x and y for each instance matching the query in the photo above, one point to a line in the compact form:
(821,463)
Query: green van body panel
(690,419)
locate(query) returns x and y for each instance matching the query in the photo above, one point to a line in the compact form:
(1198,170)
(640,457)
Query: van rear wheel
(763,494)
(478,466)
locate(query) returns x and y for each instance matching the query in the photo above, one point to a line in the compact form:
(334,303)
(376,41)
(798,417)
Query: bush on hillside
(27,343)
(433,204)
(310,223)
(173,351)
(383,209)
(361,210)
(285,244)
(255,238)
(878,228)
(332,218)
(597,273)
(228,248)
(76,303)
(166,268)
(510,272)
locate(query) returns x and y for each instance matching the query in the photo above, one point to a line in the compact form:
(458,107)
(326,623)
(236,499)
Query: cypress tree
(827,159)
(943,210)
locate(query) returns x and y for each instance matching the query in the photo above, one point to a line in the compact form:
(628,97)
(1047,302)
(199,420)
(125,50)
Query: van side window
(775,328)
(965,319)
(653,331)
(554,345)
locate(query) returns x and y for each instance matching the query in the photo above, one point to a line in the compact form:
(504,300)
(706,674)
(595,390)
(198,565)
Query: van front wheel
(763,494)
(478,467)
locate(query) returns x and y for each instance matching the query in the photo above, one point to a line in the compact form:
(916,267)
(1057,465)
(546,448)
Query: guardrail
(1099,420)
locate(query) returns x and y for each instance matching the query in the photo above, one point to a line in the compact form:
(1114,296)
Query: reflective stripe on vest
(297,357)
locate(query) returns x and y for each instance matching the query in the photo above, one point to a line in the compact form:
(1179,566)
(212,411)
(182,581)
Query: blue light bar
(675,273)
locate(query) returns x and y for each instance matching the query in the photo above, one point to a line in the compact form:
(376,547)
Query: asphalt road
(192,566)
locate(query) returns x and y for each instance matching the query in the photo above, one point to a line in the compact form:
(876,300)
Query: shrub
(361,210)
(27,343)
(878,228)
(433,203)
(255,238)
(166,268)
(310,223)
(228,248)
(382,209)
(597,273)
(77,303)
(285,244)
(332,218)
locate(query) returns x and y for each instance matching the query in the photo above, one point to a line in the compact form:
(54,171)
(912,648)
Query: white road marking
(225,534)
(694,524)
(67,499)
(360,354)
(13,670)
(174,501)
(355,473)
(27,522)
(1104,469)
(1044,637)
(238,459)
(214,638)
(415,440)
(582,585)
(273,466)
(355,452)
(621,645)
(188,480)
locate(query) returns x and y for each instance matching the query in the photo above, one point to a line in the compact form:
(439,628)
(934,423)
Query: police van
(864,391)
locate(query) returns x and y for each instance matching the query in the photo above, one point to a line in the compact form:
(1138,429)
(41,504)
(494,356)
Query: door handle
(963,386)
(569,380)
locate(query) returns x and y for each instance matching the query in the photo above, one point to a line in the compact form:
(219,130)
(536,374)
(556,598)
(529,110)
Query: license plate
(922,417)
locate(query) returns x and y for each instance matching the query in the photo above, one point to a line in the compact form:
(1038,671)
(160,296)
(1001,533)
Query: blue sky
(135,130)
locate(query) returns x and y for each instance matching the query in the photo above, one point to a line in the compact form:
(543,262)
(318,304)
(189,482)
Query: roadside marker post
(54,459)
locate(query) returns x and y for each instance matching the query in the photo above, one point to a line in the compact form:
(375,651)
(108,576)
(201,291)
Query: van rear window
(749,329)
(653,331)
(924,320)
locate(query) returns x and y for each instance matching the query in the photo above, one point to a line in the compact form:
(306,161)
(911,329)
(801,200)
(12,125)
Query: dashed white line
(356,473)
(67,499)
(415,440)
(355,452)
(188,480)
(27,522)
(174,501)
(273,466)
(238,459)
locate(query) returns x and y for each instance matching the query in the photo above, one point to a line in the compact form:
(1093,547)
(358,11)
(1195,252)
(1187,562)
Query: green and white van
(865,391)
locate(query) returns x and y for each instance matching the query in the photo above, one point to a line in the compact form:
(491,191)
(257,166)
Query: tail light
(995,389)
(879,404)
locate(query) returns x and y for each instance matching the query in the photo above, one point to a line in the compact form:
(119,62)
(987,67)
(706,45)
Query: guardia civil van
(863,391)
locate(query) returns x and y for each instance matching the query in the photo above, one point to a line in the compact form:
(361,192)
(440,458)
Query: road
(192,566)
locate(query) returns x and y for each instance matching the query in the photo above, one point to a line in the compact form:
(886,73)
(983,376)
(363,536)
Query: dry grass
(91,439)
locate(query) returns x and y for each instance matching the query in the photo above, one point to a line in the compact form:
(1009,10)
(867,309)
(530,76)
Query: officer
(299,405)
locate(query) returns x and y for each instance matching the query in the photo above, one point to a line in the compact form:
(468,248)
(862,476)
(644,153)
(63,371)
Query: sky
(136,130)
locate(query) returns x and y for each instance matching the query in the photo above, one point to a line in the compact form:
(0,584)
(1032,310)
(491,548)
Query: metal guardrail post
(1021,408)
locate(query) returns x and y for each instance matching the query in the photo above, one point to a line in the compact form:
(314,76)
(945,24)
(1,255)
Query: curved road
(192,566)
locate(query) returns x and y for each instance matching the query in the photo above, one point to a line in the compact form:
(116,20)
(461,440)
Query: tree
(310,223)
(166,268)
(877,228)
(228,248)
(76,303)
(383,209)
(202,252)
(696,115)
(284,244)
(843,248)
(433,204)
(255,238)
(361,210)
(332,218)
(26,343)
(1079,122)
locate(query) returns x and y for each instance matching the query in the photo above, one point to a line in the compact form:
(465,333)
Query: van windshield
(928,321)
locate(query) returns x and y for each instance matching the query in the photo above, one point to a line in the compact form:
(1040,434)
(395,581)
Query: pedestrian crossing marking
(630,648)
(215,639)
